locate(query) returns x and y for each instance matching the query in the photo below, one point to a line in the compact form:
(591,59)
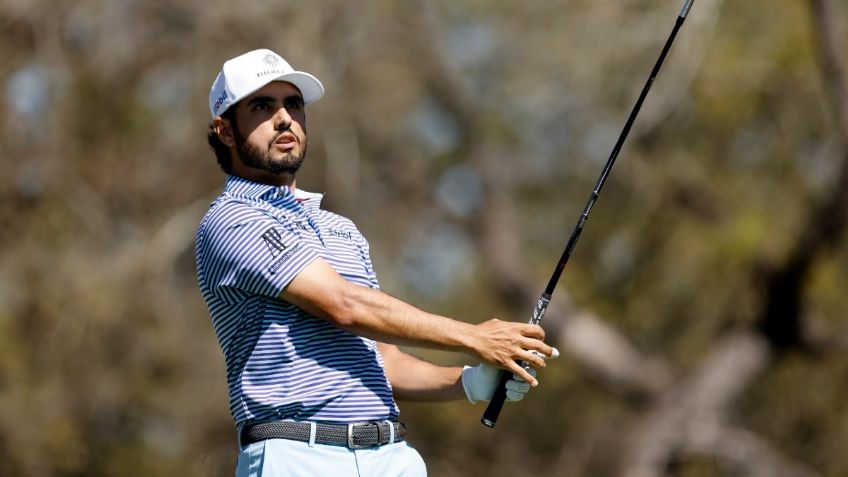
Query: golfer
(310,343)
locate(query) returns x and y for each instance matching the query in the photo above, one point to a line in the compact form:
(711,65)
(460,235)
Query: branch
(826,222)
(748,454)
(688,413)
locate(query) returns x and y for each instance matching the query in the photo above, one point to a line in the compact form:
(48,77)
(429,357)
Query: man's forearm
(413,379)
(322,292)
(374,314)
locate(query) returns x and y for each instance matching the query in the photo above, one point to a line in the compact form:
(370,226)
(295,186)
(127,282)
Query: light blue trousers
(286,458)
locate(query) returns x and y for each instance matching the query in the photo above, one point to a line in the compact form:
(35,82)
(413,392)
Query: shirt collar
(240,187)
(310,200)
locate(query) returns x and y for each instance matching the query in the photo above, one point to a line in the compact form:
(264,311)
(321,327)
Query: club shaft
(584,217)
(686,6)
(490,416)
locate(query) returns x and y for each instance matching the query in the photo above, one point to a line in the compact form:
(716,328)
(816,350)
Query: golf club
(490,416)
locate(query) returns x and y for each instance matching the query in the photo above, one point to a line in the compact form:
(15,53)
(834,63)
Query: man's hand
(480,381)
(503,343)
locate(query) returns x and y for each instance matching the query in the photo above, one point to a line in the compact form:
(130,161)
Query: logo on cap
(220,100)
(272,60)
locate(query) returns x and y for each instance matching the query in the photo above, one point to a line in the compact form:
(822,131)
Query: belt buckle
(350,443)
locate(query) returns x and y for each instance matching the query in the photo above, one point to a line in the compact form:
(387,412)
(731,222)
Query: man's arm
(367,312)
(414,379)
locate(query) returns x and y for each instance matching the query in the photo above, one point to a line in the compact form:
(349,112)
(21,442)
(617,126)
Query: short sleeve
(366,257)
(250,250)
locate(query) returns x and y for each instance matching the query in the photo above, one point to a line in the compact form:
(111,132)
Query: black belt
(352,436)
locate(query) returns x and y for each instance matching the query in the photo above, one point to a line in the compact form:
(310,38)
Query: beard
(256,158)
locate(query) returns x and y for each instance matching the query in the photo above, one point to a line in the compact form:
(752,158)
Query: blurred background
(701,318)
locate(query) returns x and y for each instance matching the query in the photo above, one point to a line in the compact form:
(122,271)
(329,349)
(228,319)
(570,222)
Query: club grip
(490,416)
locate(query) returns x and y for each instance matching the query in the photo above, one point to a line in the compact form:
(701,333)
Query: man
(310,342)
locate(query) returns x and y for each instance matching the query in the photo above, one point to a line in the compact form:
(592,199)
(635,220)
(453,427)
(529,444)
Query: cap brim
(309,86)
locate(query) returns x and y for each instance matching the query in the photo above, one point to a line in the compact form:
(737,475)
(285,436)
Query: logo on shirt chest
(274,241)
(341,234)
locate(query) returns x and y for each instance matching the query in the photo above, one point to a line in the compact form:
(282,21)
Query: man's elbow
(347,306)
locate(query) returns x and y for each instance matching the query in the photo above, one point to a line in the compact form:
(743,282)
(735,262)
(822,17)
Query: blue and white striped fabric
(283,363)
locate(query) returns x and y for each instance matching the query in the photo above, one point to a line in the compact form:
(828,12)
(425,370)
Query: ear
(224,130)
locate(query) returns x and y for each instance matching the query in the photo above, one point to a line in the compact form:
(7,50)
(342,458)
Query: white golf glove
(480,382)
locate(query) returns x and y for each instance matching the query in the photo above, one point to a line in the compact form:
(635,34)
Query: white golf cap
(245,74)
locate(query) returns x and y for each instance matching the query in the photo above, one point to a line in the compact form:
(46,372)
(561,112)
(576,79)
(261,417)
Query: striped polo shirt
(283,363)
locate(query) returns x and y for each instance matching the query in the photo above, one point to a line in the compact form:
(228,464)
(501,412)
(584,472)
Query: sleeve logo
(274,241)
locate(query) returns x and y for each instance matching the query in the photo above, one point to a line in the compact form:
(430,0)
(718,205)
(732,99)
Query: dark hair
(222,151)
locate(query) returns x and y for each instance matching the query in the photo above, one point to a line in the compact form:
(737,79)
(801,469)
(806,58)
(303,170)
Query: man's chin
(288,165)
(271,162)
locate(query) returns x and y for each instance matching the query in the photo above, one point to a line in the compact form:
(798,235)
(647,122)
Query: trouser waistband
(352,436)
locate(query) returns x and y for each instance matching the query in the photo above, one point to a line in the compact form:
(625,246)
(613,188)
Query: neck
(265,177)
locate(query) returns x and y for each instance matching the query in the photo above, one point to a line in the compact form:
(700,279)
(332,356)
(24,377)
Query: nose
(282,119)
